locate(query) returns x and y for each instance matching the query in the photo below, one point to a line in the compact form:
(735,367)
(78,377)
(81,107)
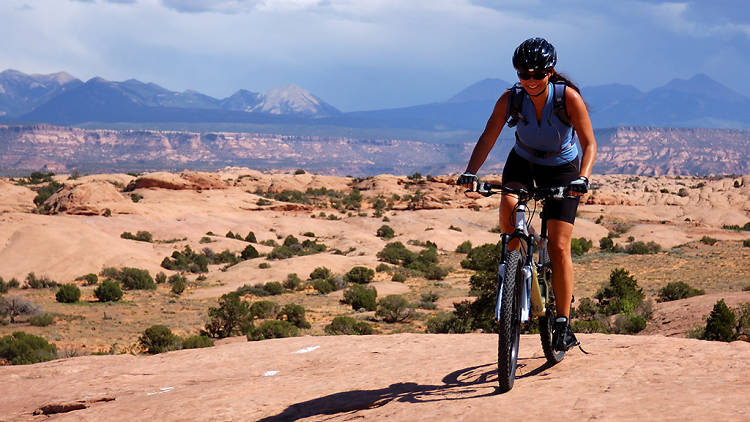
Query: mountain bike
(524,283)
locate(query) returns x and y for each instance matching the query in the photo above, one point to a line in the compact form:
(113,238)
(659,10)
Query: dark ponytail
(558,77)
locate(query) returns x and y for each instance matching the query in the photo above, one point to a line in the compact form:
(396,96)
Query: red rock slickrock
(402,377)
(93,198)
(186,180)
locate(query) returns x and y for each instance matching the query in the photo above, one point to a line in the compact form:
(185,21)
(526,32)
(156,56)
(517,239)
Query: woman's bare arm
(489,136)
(579,117)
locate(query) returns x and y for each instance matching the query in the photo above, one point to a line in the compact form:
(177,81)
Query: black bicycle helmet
(534,54)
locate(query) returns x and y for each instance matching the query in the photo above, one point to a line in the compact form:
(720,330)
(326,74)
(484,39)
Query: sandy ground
(398,377)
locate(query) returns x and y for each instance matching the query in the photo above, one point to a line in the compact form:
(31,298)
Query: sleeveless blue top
(548,135)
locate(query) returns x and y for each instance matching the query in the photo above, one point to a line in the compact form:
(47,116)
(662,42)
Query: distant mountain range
(62,99)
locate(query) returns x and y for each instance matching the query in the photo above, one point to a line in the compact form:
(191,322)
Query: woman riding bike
(545,153)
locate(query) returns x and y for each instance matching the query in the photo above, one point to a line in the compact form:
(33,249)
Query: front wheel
(509,325)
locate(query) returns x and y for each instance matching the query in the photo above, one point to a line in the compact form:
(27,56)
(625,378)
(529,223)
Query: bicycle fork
(528,271)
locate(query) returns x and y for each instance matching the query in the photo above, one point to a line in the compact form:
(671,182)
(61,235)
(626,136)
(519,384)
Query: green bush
(251,238)
(186,260)
(197,342)
(629,324)
(320,272)
(386,232)
(482,258)
(292,282)
(433,272)
(464,247)
(42,282)
(46,191)
(272,329)
(42,320)
(398,277)
(720,324)
(20,348)
(394,308)
(708,240)
(68,293)
(89,279)
(264,309)
(622,295)
(640,248)
(447,323)
(343,325)
(678,290)
(231,316)
(3,286)
(396,253)
(382,268)
(359,297)
(323,285)
(159,339)
(273,288)
(293,247)
(295,314)
(108,291)
(141,236)
(580,246)
(586,308)
(178,284)
(249,252)
(130,278)
(589,326)
(359,275)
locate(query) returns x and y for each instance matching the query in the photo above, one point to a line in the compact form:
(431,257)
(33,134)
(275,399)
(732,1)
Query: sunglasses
(529,75)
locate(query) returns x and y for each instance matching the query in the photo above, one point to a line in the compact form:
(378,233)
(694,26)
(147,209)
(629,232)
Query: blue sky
(367,54)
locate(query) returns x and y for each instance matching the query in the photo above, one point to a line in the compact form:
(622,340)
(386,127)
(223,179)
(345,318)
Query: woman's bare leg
(560,234)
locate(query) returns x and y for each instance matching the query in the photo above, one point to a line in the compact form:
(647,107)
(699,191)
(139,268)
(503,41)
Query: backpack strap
(559,107)
(515,106)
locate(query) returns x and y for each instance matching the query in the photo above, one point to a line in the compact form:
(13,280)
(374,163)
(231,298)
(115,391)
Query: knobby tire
(509,326)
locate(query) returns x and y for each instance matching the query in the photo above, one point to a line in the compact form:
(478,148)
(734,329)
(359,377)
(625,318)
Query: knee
(558,247)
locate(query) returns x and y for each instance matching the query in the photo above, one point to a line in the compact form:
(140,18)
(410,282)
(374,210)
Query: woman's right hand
(468,180)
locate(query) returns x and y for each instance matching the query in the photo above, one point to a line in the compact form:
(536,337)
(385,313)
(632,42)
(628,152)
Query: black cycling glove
(580,185)
(467,179)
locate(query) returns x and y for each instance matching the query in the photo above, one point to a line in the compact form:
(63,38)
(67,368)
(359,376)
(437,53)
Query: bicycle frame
(532,299)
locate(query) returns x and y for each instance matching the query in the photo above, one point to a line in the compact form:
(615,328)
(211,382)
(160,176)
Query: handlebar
(538,193)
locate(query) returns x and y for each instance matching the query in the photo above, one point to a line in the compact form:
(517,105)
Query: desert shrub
(447,323)
(394,308)
(186,260)
(108,291)
(708,240)
(323,285)
(20,348)
(720,323)
(386,232)
(160,278)
(629,324)
(589,326)
(482,258)
(427,300)
(231,316)
(159,339)
(88,279)
(46,191)
(344,325)
(178,285)
(621,295)
(264,309)
(433,272)
(136,197)
(141,236)
(396,253)
(586,308)
(295,314)
(743,321)
(273,288)
(68,293)
(464,247)
(398,277)
(42,320)
(293,247)
(264,265)
(43,282)
(361,297)
(640,248)
(452,227)
(580,246)
(678,290)
(292,282)
(382,268)
(205,239)
(249,252)
(251,238)
(746,243)
(197,342)
(359,275)
(3,286)
(131,278)
(320,272)
(272,329)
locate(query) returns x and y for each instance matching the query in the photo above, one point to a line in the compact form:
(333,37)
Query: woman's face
(532,85)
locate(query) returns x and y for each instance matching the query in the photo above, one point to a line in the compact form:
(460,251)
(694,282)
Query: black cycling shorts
(517,169)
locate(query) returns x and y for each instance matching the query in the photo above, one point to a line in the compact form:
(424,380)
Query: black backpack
(515,108)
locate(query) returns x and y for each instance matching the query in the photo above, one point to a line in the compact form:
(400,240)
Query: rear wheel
(509,326)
